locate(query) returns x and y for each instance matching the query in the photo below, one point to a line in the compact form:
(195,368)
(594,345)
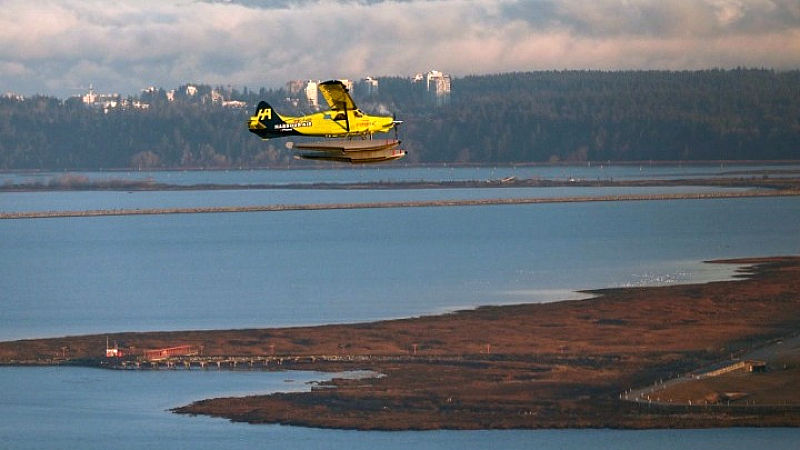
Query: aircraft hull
(352,151)
(349,146)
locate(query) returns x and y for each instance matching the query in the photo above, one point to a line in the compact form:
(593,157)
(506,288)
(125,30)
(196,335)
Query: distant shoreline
(70,181)
(566,364)
(757,187)
(381,205)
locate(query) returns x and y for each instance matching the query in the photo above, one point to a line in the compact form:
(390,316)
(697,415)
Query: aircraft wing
(337,96)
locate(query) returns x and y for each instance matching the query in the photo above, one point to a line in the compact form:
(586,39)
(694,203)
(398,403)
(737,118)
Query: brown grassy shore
(553,365)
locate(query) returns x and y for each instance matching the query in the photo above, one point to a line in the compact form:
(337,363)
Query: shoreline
(400,204)
(69,182)
(752,187)
(555,365)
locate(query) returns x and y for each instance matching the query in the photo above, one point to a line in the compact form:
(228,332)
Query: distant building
(234,104)
(295,86)
(101,101)
(217,96)
(135,104)
(113,352)
(303,89)
(89,97)
(312,95)
(369,86)
(438,85)
(13,96)
(171,352)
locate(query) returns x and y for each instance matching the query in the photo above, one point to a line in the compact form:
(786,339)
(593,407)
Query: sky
(59,47)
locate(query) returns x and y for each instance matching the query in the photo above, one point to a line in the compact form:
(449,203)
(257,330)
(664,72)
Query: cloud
(123,46)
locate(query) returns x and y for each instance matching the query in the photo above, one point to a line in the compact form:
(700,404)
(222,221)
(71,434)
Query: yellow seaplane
(353,128)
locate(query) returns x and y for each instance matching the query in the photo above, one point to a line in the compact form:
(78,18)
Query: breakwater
(398,204)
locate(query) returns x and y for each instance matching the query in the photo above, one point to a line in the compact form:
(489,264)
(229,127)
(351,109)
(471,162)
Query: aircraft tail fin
(266,123)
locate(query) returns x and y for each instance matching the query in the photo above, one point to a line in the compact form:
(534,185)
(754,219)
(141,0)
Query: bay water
(240,270)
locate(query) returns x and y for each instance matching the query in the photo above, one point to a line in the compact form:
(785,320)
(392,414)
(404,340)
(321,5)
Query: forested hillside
(740,114)
(505,118)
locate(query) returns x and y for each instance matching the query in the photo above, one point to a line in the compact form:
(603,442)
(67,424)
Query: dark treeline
(622,116)
(518,117)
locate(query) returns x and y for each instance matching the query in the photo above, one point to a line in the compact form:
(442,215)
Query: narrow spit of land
(556,365)
(751,187)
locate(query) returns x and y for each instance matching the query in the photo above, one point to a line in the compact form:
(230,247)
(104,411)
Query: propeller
(396,126)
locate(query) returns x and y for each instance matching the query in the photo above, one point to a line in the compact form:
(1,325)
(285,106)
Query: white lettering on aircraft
(289,126)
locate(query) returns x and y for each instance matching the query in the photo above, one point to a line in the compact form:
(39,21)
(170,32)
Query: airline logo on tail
(265,113)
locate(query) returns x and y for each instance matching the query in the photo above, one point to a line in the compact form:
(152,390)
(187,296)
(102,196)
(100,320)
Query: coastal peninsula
(647,357)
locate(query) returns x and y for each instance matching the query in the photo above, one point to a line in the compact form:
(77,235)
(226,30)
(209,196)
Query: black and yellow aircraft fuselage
(344,121)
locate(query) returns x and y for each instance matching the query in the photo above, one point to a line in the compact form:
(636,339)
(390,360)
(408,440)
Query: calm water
(76,276)
(86,275)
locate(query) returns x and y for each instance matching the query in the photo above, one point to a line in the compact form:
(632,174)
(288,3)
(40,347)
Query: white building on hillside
(439,87)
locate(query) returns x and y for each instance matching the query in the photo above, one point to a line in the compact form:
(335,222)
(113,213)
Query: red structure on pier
(164,353)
